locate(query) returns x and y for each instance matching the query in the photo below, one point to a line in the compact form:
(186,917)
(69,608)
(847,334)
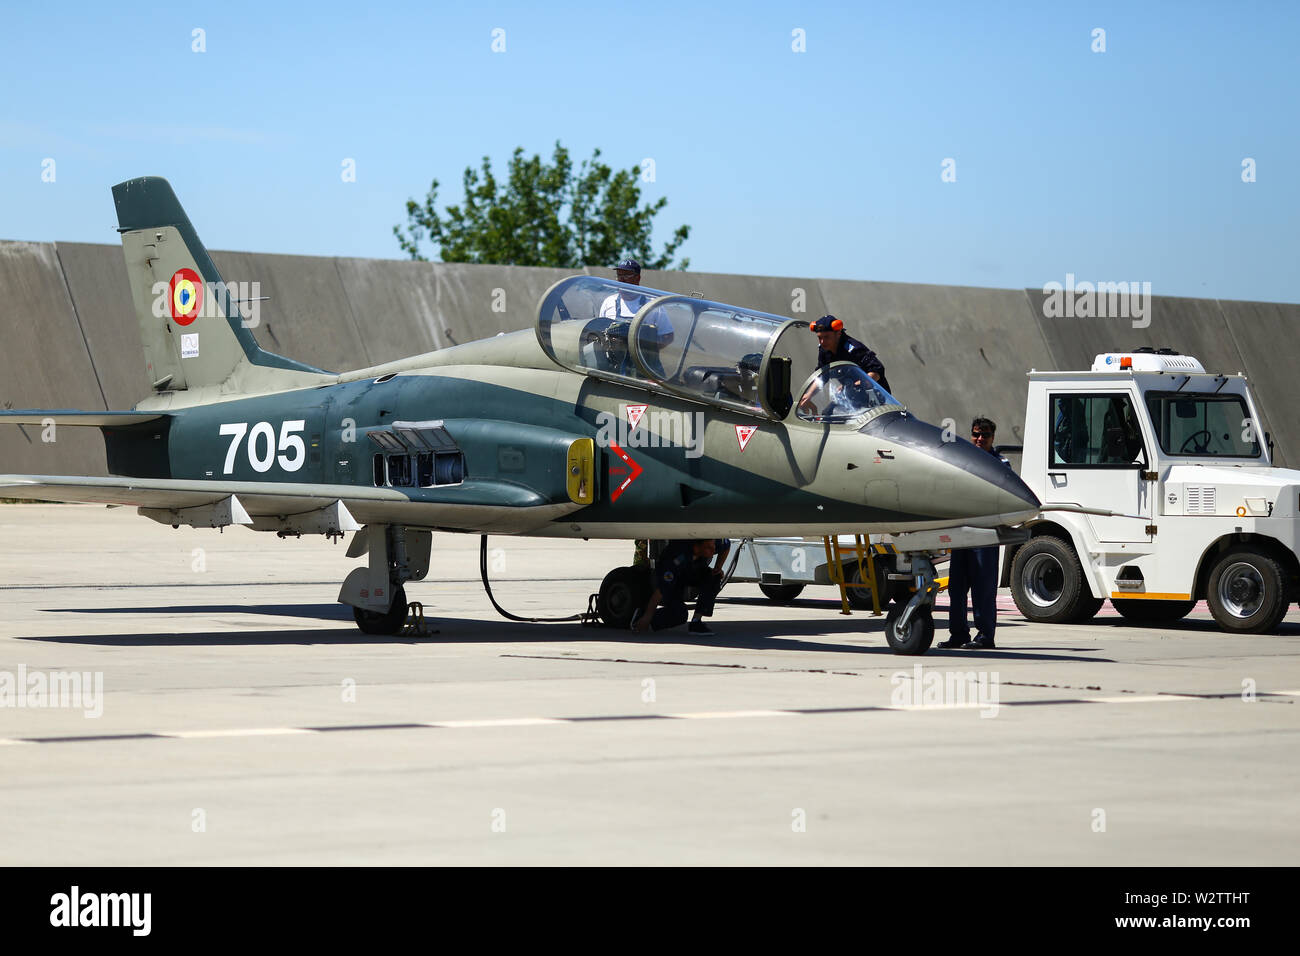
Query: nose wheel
(910,637)
(909,627)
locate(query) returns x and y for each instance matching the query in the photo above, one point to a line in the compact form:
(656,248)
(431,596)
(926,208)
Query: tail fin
(193,326)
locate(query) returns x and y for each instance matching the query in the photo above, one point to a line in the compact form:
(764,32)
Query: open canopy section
(842,392)
(704,351)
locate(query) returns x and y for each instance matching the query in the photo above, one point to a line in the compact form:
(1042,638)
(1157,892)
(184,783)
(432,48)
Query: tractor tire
(1247,592)
(1048,585)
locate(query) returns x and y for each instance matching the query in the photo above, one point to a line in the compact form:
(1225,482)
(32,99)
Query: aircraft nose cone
(962,481)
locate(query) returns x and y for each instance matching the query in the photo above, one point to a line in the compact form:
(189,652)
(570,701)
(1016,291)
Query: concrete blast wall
(71,339)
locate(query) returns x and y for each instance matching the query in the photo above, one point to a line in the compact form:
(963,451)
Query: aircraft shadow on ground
(1107,622)
(331,612)
(803,636)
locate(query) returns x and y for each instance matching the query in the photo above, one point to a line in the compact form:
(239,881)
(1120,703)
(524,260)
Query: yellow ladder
(866,552)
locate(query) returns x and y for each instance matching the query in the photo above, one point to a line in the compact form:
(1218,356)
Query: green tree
(544,214)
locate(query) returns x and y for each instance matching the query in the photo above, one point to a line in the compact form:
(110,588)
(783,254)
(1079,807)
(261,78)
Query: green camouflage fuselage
(514,422)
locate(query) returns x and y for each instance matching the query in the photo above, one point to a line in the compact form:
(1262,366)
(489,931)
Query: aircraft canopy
(842,392)
(704,351)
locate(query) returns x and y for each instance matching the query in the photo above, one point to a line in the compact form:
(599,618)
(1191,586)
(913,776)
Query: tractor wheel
(1247,592)
(1048,585)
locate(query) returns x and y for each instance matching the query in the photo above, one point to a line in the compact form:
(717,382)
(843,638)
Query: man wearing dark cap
(624,304)
(836,345)
(656,330)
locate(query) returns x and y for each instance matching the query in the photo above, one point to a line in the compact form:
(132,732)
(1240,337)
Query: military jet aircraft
(625,413)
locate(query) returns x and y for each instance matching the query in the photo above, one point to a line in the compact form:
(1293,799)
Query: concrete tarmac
(245,720)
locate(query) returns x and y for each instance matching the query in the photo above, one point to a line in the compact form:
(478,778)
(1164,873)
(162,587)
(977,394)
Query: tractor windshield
(1204,424)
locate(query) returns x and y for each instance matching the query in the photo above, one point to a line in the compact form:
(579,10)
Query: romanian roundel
(186,290)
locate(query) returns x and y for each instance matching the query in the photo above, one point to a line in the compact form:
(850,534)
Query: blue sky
(1122,165)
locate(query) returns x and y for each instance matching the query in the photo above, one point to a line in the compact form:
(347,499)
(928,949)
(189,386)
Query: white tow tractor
(1197,511)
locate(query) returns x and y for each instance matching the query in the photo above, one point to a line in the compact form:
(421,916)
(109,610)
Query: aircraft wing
(70,416)
(499,507)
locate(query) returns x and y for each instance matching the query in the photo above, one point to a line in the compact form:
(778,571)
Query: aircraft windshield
(704,351)
(842,392)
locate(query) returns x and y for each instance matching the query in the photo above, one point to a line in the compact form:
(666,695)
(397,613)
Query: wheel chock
(416,625)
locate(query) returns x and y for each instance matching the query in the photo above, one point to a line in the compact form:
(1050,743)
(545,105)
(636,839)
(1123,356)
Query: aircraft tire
(919,634)
(387,623)
(1247,592)
(781,593)
(623,592)
(1145,611)
(1047,583)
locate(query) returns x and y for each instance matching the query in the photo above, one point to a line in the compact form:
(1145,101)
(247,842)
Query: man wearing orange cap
(836,345)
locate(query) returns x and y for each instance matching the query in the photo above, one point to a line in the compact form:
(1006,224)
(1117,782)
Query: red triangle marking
(634,413)
(744,433)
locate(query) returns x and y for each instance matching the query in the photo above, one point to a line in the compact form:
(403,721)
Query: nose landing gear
(909,628)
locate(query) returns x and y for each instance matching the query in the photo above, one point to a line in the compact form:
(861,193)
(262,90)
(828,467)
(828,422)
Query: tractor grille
(1200,500)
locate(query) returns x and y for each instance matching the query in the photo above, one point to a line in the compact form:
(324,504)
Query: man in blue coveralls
(679,565)
(974,570)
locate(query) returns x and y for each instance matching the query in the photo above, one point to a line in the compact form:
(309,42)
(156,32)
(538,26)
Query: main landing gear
(623,592)
(375,592)
(385,622)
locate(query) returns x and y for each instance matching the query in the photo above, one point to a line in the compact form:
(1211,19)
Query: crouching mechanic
(680,565)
